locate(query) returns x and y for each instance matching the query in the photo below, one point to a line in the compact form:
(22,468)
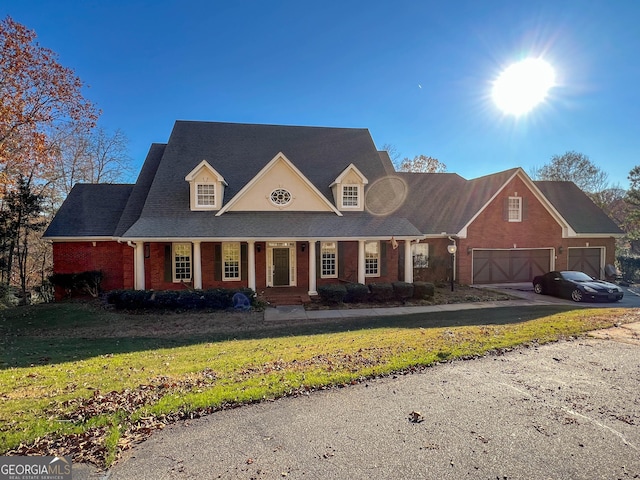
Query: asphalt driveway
(559,411)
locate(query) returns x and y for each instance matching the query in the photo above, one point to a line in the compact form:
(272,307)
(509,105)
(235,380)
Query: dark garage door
(509,266)
(585,260)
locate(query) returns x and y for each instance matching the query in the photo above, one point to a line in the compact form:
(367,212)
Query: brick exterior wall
(114,259)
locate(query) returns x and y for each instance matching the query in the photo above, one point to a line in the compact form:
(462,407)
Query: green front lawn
(72,373)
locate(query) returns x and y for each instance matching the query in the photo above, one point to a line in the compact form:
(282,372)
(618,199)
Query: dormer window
(206,187)
(350,196)
(205,194)
(348,189)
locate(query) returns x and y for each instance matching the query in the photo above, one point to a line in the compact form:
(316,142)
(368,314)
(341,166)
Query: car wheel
(576,295)
(537,287)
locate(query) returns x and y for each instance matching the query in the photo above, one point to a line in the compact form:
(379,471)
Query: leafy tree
(631,223)
(574,167)
(38,96)
(19,220)
(422,163)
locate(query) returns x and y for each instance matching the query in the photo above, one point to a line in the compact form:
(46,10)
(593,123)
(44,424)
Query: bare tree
(96,157)
(393,152)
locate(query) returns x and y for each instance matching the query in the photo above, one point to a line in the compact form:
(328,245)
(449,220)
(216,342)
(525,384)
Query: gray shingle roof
(584,216)
(140,191)
(445,202)
(90,210)
(272,225)
(239,151)
(158,205)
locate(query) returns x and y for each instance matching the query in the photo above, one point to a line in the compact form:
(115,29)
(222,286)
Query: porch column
(251,264)
(312,268)
(197,265)
(138,266)
(361,269)
(408,262)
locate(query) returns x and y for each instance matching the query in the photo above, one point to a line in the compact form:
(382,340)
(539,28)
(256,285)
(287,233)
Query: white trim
(350,167)
(196,171)
(224,277)
(378,248)
(359,195)
(207,206)
(321,266)
(280,157)
(412,254)
(519,218)
(173,262)
(270,267)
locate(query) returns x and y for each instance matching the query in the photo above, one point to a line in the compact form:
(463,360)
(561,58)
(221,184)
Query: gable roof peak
(202,166)
(350,168)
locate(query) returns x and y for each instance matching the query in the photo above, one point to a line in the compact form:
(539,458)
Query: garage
(510,266)
(587,260)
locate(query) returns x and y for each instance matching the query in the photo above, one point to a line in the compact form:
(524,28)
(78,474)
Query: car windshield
(577,276)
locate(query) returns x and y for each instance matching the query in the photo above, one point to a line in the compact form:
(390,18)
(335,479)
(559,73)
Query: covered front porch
(268,263)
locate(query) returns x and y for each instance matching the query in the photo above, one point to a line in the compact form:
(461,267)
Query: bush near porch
(213,299)
(337,293)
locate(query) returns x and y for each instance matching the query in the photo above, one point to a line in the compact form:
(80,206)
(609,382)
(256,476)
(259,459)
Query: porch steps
(280,297)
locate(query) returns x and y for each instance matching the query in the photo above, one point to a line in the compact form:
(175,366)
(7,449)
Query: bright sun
(523,85)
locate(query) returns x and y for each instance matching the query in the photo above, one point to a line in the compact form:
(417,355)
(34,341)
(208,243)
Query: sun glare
(523,85)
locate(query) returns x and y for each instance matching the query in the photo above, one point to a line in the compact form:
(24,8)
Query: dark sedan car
(577,286)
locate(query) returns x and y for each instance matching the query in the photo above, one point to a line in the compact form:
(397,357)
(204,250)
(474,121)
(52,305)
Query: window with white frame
(329,259)
(181,262)
(514,208)
(420,254)
(350,196)
(231,261)
(205,195)
(372,259)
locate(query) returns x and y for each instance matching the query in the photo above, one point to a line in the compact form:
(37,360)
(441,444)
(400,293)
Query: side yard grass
(100,381)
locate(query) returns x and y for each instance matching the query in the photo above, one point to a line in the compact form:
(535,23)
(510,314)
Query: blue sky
(417,74)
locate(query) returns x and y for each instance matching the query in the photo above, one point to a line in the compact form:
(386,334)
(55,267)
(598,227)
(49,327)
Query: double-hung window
(205,195)
(350,196)
(420,254)
(231,261)
(181,262)
(329,259)
(372,259)
(514,209)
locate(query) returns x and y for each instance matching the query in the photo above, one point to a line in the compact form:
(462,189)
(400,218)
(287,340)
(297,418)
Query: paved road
(569,410)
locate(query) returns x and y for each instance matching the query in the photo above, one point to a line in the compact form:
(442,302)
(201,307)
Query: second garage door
(510,266)
(586,260)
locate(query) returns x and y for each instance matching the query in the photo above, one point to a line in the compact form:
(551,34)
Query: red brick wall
(114,259)
(537,230)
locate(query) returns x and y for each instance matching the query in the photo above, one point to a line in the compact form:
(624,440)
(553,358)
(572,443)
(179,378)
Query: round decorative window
(280,197)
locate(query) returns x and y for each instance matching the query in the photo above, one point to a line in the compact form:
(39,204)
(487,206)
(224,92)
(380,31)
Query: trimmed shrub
(214,299)
(402,290)
(381,292)
(332,293)
(356,293)
(423,290)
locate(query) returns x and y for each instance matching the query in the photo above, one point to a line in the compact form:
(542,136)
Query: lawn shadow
(30,345)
